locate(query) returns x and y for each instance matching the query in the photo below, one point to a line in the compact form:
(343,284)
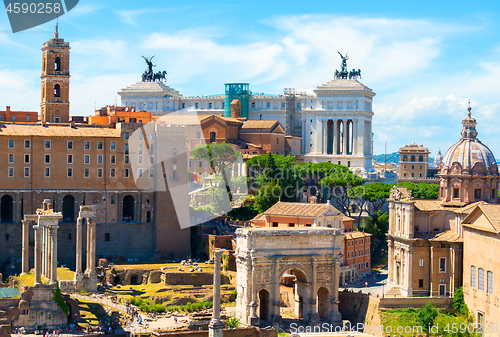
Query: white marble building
(335,123)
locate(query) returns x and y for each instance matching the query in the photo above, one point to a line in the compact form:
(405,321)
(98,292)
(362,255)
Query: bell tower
(54,107)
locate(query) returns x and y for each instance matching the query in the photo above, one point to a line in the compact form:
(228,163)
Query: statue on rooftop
(149,75)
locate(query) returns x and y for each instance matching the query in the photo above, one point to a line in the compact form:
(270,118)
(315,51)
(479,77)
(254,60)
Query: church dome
(469,155)
(438,160)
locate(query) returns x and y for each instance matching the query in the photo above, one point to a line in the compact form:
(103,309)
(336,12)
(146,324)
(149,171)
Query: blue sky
(424,59)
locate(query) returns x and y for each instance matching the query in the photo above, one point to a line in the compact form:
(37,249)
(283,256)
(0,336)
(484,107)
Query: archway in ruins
(300,291)
(323,302)
(128,208)
(264,305)
(68,210)
(7,209)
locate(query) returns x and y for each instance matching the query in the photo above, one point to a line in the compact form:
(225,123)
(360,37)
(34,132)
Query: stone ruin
(84,281)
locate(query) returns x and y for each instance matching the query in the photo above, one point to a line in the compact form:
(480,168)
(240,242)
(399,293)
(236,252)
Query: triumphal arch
(311,255)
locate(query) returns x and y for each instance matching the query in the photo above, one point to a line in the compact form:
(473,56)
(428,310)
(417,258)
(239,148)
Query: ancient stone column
(38,254)
(277,319)
(335,316)
(53,268)
(79,234)
(254,319)
(88,245)
(25,256)
(92,244)
(314,317)
(215,328)
(42,250)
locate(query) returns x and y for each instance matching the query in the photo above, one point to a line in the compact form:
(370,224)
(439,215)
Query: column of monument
(79,234)
(215,328)
(53,254)
(277,319)
(88,244)
(42,252)
(38,254)
(25,257)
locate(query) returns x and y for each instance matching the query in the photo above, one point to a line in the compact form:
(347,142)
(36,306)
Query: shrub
(426,316)
(232,323)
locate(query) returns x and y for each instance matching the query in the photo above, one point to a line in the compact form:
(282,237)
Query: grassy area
(29,279)
(91,313)
(395,318)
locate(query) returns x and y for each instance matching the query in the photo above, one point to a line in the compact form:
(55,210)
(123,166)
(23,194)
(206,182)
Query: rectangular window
(477,193)
(348,255)
(70,145)
(99,173)
(362,241)
(366,264)
(11,171)
(86,158)
(126,135)
(27,143)
(268,105)
(11,143)
(308,225)
(47,171)
(99,145)
(198,135)
(47,144)
(86,172)
(151,136)
(28,118)
(26,171)
(86,145)
(196,105)
(151,160)
(456,193)
(489,282)
(291,224)
(480,279)
(112,173)
(152,173)
(107,237)
(442,265)
(421,283)
(126,159)
(472,276)
(47,159)
(112,145)
(126,173)
(140,135)
(174,175)
(99,159)
(70,172)
(348,243)
(139,173)
(139,148)
(126,148)
(275,224)
(200,164)
(11,157)
(139,160)
(148,217)
(421,263)
(70,159)
(112,159)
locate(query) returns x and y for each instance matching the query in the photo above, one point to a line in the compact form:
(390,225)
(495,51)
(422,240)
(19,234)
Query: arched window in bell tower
(57,90)
(57,64)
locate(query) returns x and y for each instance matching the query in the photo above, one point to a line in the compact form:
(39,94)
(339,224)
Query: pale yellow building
(413,161)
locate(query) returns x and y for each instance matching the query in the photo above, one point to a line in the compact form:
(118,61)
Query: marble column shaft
(53,268)
(92,243)
(88,245)
(79,234)
(38,254)
(25,256)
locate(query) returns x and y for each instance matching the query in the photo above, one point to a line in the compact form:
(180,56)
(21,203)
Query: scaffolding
(239,91)
(292,120)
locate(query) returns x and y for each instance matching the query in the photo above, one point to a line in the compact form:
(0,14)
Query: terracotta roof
(436,205)
(260,124)
(346,218)
(57,130)
(492,213)
(299,209)
(356,235)
(447,235)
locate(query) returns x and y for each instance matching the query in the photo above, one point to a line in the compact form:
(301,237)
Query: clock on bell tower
(54,107)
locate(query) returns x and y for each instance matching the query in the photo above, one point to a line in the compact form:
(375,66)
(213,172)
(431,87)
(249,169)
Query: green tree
(267,196)
(459,302)
(421,190)
(426,316)
(219,155)
(376,225)
(344,185)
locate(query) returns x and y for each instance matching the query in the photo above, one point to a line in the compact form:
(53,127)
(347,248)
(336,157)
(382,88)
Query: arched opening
(420,158)
(323,303)
(212,137)
(68,210)
(405,158)
(329,137)
(264,305)
(134,280)
(412,158)
(300,292)
(7,208)
(128,208)
(349,139)
(57,64)
(57,90)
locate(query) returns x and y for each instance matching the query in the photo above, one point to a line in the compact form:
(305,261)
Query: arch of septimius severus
(264,255)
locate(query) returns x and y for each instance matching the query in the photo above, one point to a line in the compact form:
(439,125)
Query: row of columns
(334,143)
(89,214)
